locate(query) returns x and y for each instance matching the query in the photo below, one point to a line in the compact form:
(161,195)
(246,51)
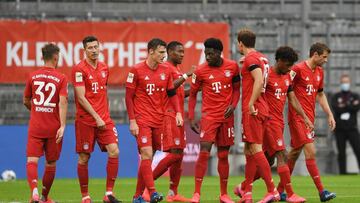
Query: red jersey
(217,88)
(95,83)
(44,87)
(253,60)
(276,93)
(150,92)
(306,84)
(180,91)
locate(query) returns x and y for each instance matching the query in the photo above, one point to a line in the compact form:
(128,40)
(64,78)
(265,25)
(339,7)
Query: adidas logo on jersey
(276,84)
(91,77)
(211,77)
(307,79)
(147,78)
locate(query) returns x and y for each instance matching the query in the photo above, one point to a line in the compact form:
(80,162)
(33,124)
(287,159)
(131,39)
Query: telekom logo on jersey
(216,86)
(310,89)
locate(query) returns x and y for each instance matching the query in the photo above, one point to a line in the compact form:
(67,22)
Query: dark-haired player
(148,86)
(279,88)
(45,95)
(308,85)
(219,80)
(93,122)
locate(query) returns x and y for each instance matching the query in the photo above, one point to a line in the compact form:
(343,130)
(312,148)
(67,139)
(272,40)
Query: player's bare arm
(257,75)
(80,95)
(297,106)
(321,98)
(178,82)
(27,102)
(63,104)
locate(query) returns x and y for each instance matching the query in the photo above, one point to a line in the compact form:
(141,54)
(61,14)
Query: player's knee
(146,153)
(51,163)
(176,151)
(83,158)
(33,159)
(113,152)
(205,146)
(223,154)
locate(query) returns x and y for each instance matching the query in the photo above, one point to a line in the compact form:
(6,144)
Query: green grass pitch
(347,189)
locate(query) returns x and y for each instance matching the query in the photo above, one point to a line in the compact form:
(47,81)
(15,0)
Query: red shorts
(253,128)
(219,132)
(149,136)
(86,136)
(37,146)
(274,138)
(173,136)
(300,135)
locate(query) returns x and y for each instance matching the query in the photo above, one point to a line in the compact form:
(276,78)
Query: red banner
(123,44)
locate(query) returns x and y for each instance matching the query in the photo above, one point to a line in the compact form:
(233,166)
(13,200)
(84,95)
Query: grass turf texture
(347,189)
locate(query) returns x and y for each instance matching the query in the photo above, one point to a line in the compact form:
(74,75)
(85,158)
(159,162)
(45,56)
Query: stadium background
(276,22)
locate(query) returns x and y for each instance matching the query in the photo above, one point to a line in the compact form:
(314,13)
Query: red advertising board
(123,44)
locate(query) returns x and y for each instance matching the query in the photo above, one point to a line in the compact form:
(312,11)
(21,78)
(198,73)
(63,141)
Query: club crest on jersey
(279,142)
(162,76)
(287,83)
(177,141)
(193,78)
(86,146)
(292,74)
(78,77)
(202,133)
(144,139)
(311,135)
(227,73)
(130,78)
(103,74)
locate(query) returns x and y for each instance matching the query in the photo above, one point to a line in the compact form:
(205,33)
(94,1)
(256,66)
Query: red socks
(83,176)
(165,163)
(285,180)
(223,170)
(264,169)
(112,172)
(32,175)
(146,172)
(200,169)
(140,185)
(175,174)
(48,180)
(291,166)
(250,171)
(314,173)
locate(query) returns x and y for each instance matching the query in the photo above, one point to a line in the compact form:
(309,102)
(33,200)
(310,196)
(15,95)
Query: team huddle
(155,97)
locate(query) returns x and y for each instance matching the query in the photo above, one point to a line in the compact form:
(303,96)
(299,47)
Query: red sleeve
(64,88)
(194,88)
(131,81)
(251,63)
(170,84)
(130,93)
(28,90)
(77,77)
(174,100)
(294,73)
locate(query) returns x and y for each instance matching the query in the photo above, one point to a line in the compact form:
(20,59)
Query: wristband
(185,76)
